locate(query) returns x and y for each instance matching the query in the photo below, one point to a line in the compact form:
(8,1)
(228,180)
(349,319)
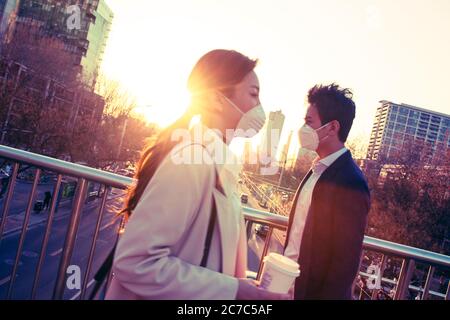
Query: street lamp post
(124,128)
(122,136)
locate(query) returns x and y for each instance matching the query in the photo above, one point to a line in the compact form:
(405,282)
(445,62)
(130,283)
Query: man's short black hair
(334,103)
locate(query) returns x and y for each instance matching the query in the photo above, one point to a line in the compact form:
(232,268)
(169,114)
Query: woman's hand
(249,290)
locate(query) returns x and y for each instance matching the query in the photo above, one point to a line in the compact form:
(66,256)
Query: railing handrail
(254,215)
(370,243)
(65,167)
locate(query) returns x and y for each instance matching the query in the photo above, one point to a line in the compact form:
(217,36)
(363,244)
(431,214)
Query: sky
(383,50)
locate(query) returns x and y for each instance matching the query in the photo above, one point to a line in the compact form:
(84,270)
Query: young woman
(164,252)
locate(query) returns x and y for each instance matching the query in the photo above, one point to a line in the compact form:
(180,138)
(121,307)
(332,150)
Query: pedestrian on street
(47,199)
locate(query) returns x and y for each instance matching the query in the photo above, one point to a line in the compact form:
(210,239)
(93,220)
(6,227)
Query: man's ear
(335,127)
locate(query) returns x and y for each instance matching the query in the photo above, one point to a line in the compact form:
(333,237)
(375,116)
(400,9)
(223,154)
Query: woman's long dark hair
(217,70)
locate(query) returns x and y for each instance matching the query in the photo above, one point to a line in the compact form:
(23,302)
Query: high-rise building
(82,27)
(271,135)
(57,30)
(396,123)
(285,152)
(97,37)
(284,156)
(8,11)
(247,152)
(52,18)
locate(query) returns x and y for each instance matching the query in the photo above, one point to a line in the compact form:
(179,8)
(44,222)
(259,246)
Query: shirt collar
(328,160)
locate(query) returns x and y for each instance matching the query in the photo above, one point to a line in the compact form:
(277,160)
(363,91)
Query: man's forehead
(311,110)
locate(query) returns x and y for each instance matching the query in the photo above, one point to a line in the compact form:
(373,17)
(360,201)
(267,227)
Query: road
(255,242)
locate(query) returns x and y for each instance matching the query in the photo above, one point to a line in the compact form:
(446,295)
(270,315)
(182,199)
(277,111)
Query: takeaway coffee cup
(279,273)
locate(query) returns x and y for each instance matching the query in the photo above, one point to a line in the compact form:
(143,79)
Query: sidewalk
(14,223)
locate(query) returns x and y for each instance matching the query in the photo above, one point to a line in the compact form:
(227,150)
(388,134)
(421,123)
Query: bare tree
(410,204)
(358,146)
(122,133)
(118,102)
(43,54)
(39,95)
(33,118)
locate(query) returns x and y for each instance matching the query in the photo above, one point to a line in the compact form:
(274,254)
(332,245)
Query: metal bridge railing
(409,255)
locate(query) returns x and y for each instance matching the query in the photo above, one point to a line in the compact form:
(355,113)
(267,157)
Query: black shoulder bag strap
(103,272)
(106,266)
(209,234)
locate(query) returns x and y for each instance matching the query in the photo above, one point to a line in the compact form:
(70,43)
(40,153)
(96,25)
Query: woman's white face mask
(251,121)
(308,137)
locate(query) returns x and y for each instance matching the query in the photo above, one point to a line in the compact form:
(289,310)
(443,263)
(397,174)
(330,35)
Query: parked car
(262,230)
(263,204)
(126,172)
(244,198)
(38,206)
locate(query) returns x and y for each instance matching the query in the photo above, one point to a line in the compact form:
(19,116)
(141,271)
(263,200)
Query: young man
(329,213)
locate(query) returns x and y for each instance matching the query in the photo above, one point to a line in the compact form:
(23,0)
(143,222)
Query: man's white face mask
(251,121)
(308,137)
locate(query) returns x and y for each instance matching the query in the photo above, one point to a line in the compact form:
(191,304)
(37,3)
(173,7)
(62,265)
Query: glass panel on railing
(379,281)
(377,276)
(440,283)
(257,241)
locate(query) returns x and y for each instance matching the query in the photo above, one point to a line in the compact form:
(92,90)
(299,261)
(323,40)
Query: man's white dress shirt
(304,202)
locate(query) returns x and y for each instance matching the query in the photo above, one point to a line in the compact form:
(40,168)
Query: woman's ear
(216,102)
(210,101)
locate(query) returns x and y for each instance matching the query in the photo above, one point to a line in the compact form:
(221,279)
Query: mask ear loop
(231,102)
(324,138)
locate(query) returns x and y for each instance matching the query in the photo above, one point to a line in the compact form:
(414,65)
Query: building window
(412,122)
(392,116)
(423,125)
(388,133)
(400,127)
(433,127)
(421,133)
(401,119)
(397,137)
(404,111)
(411,130)
(414,116)
(435,120)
